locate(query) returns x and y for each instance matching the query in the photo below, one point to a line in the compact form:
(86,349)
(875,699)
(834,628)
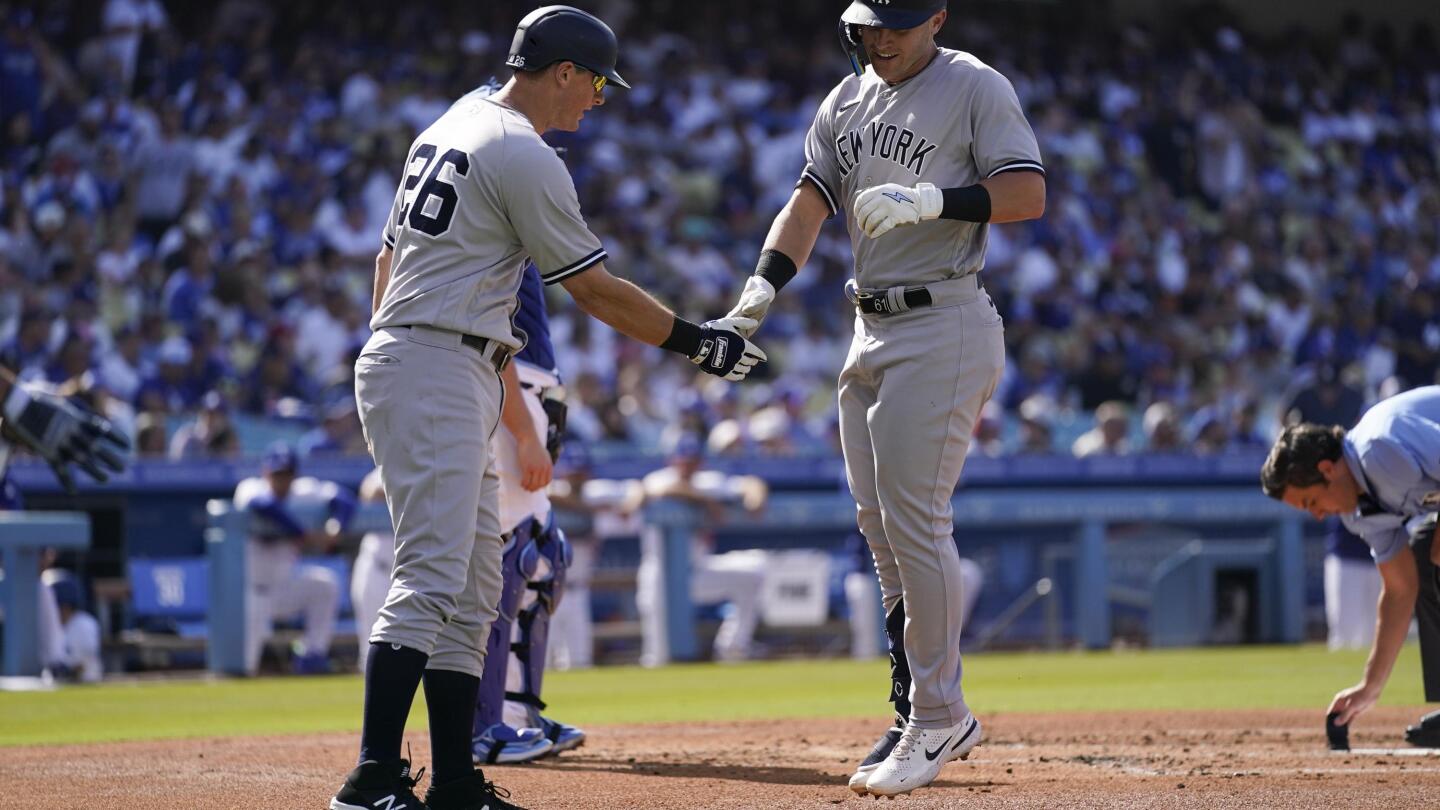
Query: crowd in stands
(191,200)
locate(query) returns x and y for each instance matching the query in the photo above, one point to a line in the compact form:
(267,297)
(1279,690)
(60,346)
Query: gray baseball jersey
(482,192)
(915,381)
(953,124)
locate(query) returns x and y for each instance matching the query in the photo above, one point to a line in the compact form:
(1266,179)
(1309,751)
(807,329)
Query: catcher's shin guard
(545,562)
(899,664)
(491,703)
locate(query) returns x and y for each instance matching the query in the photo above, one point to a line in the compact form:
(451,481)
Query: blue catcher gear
(546,563)
(492,740)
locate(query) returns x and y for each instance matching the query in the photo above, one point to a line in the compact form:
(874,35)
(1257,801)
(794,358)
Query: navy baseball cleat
(474,792)
(379,786)
(877,755)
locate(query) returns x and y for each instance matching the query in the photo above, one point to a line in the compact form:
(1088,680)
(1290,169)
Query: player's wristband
(776,268)
(684,338)
(968,204)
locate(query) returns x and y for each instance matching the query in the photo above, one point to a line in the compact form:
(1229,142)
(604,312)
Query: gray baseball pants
(910,393)
(429,406)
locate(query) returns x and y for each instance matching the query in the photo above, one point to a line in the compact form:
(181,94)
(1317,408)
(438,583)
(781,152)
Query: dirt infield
(1152,760)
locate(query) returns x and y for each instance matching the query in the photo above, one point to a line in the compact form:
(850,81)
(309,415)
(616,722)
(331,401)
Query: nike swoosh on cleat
(931,755)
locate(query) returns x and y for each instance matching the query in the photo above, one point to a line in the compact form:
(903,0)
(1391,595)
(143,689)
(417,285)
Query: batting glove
(881,208)
(64,434)
(754,302)
(725,352)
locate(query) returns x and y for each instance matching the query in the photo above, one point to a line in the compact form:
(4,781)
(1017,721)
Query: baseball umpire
(931,143)
(1382,478)
(481,193)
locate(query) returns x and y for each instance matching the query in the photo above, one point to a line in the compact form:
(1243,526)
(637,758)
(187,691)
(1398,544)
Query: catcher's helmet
(899,14)
(553,34)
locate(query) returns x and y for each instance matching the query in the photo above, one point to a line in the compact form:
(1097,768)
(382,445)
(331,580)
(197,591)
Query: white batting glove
(754,302)
(879,209)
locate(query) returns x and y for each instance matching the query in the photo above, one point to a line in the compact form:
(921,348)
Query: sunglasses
(599,82)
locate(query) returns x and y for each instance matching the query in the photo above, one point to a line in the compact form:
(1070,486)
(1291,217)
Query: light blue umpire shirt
(1394,453)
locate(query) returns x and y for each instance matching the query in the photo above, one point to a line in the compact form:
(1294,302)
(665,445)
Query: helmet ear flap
(854,49)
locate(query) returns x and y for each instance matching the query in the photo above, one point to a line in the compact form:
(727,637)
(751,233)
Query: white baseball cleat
(877,755)
(920,754)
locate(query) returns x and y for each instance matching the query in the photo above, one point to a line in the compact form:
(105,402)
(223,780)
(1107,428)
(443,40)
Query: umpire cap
(553,34)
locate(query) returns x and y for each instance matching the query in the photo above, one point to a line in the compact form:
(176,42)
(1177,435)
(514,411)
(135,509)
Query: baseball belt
(492,350)
(902,298)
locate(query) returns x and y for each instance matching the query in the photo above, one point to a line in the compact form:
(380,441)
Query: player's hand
(724,350)
(754,302)
(879,209)
(536,468)
(64,433)
(1351,703)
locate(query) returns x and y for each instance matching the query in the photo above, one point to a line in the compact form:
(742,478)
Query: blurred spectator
(1111,434)
(1163,433)
(1037,415)
(339,434)
(150,439)
(210,435)
(987,439)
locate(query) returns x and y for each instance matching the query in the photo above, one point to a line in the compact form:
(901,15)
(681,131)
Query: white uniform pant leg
(737,578)
(369,583)
(654,643)
(572,631)
(1352,594)
(313,593)
(269,566)
(863,600)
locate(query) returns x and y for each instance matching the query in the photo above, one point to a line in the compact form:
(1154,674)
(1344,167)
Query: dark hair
(1295,459)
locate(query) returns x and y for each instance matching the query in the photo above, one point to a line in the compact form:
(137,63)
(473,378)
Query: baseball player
(921,149)
(537,553)
(1382,479)
(279,586)
(481,194)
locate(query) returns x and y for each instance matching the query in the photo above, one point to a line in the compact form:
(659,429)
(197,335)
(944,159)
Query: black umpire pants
(1427,609)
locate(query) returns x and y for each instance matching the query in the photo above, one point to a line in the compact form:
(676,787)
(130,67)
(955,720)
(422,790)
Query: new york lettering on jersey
(886,141)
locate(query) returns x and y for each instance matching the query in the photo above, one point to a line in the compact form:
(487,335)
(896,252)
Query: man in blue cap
(279,585)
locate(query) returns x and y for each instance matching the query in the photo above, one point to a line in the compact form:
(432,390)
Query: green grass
(1231,678)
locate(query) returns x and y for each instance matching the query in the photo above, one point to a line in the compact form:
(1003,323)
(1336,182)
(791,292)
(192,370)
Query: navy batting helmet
(897,14)
(553,34)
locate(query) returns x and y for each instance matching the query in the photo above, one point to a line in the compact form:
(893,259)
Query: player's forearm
(621,305)
(382,278)
(1392,625)
(515,416)
(797,226)
(1015,196)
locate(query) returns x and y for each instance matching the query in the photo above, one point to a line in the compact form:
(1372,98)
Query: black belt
(492,350)
(877,301)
